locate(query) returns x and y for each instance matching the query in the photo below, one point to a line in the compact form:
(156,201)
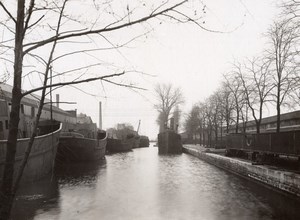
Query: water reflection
(33,198)
(77,184)
(83,173)
(144,185)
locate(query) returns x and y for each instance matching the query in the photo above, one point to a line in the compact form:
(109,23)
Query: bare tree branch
(7,12)
(123,85)
(29,13)
(97,31)
(72,83)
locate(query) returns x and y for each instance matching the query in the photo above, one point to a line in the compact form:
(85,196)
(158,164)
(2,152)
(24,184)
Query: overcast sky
(184,55)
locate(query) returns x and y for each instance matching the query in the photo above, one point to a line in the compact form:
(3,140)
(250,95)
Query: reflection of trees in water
(35,196)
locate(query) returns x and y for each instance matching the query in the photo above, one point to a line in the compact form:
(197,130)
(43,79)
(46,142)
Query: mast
(137,131)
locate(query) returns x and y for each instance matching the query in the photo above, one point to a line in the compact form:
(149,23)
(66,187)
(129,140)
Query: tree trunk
(204,139)
(200,135)
(278,119)
(257,127)
(8,174)
(210,134)
(278,112)
(237,122)
(221,141)
(216,133)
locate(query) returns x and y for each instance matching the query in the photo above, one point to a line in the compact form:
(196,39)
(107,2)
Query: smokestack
(57,100)
(100,115)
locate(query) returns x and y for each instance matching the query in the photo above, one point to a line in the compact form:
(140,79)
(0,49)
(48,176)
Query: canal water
(144,185)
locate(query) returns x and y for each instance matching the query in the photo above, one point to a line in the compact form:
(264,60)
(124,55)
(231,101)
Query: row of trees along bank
(269,81)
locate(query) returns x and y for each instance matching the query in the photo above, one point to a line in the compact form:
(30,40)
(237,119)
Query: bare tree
(192,123)
(195,122)
(257,86)
(291,10)
(177,116)
(208,111)
(160,122)
(227,105)
(234,84)
(215,104)
(202,122)
(283,56)
(31,32)
(168,97)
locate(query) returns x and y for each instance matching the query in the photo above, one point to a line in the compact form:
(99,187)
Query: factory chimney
(100,115)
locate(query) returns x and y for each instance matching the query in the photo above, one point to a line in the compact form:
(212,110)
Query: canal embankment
(283,180)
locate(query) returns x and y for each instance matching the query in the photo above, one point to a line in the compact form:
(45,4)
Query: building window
(6,124)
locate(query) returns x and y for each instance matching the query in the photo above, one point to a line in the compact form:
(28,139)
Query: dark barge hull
(137,140)
(41,159)
(117,145)
(144,141)
(76,149)
(169,142)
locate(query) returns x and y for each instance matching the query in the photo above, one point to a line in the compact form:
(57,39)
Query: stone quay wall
(283,180)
